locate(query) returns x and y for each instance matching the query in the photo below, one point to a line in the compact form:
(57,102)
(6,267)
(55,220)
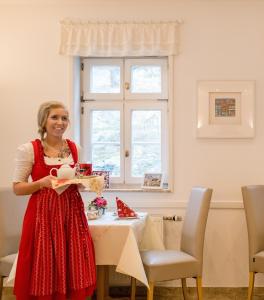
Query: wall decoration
(226,109)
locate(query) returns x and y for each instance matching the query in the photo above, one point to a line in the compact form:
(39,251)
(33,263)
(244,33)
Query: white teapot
(64,172)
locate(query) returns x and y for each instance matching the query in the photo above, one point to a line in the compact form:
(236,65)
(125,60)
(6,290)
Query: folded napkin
(123,210)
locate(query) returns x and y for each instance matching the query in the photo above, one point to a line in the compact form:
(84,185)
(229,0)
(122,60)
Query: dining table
(118,242)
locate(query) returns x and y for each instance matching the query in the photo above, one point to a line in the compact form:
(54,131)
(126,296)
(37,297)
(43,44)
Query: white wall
(220,40)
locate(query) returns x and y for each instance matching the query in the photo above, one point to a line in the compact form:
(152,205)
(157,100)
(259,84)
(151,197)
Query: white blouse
(24,161)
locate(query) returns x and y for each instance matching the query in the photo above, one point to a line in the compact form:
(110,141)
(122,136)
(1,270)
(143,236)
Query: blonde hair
(43,114)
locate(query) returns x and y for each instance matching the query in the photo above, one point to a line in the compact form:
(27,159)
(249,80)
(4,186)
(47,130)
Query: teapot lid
(65,166)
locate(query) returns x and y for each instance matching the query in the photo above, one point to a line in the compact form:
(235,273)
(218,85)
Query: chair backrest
(12,210)
(193,231)
(253,198)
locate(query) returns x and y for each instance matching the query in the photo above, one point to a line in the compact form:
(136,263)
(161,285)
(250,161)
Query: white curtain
(119,39)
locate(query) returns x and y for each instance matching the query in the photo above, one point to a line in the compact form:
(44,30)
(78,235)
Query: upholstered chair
(12,209)
(253,198)
(163,265)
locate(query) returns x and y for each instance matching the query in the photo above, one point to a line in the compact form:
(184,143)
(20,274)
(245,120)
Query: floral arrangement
(98,203)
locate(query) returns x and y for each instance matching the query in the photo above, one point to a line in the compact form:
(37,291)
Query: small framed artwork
(226,109)
(106,177)
(153,181)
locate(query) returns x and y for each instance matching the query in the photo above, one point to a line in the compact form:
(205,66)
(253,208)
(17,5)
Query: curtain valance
(119,39)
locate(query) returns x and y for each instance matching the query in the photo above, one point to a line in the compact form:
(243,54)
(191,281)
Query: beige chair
(12,209)
(162,265)
(253,198)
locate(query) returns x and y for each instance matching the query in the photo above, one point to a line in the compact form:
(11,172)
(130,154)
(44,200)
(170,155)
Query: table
(118,242)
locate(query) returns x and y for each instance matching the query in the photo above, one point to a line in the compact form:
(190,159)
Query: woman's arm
(24,161)
(27,188)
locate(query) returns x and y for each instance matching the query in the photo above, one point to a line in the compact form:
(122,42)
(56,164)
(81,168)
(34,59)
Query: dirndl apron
(56,254)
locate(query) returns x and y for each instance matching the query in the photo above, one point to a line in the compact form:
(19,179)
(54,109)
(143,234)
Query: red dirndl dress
(56,254)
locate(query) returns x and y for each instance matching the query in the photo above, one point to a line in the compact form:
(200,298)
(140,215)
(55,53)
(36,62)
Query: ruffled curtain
(119,39)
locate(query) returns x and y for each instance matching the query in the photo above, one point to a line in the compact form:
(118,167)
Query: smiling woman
(56,254)
(52,127)
(53,117)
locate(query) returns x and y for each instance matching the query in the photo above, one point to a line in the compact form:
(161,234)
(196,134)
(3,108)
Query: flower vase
(101,211)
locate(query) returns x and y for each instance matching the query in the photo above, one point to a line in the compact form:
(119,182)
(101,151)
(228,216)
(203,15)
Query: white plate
(127,218)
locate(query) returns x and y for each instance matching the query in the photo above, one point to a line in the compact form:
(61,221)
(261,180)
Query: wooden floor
(168,293)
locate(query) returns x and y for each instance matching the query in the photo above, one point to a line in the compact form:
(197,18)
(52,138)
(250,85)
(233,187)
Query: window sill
(115,187)
(137,190)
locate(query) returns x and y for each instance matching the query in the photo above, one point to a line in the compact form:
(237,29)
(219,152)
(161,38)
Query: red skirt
(56,254)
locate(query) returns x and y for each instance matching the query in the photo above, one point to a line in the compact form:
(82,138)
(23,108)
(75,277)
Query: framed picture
(106,177)
(225,109)
(153,181)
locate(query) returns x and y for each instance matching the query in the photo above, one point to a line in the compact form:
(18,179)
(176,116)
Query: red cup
(85,169)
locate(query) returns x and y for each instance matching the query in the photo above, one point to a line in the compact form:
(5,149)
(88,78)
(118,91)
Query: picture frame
(152,181)
(225,109)
(106,176)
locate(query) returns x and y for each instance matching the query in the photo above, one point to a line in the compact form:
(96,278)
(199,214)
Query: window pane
(105,140)
(146,79)
(146,142)
(145,158)
(106,157)
(105,126)
(105,79)
(146,126)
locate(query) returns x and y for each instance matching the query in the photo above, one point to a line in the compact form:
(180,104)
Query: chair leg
(199,288)
(184,289)
(1,286)
(133,288)
(251,285)
(150,292)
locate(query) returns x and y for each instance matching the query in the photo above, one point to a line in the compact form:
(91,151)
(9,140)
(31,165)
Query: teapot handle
(52,170)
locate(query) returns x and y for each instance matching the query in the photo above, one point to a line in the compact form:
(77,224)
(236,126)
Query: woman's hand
(45,182)
(27,188)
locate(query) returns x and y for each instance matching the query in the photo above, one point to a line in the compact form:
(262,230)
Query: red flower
(98,202)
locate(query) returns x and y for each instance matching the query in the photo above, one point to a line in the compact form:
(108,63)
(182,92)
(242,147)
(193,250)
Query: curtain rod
(80,22)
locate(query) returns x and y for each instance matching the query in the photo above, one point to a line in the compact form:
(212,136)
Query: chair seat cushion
(6,264)
(258,263)
(169,264)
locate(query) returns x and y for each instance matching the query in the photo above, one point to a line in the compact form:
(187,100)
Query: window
(124,116)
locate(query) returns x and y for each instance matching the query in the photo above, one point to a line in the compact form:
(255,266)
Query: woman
(56,255)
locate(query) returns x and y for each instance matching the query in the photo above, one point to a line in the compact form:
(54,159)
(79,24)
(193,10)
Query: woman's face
(57,122)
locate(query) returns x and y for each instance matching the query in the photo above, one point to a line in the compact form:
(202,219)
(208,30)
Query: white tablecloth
(118,242)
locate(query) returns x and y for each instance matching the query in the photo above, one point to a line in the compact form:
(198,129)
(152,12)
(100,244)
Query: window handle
(127,153)
(127,86)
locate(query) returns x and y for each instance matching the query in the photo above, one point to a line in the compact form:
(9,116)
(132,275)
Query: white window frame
(139,105)
(113,101)
(87,65)
(90,106)
(146,62)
